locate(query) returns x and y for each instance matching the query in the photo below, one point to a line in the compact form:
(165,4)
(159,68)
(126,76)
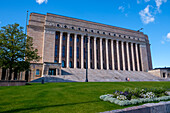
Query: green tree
(16,49)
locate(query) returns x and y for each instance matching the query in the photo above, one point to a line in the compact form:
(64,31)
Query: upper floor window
(114,34)
(79,28)
(64,37)
(56,37)
(77,52)
(98,32)
(71,38)
(72,27)
(58,25)
(63,51)
(56,50)
(65,26)
(85,29)
(77,39)
(92,31)
(104,33)
(70,52)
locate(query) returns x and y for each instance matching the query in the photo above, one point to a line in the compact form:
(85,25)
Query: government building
(70,43)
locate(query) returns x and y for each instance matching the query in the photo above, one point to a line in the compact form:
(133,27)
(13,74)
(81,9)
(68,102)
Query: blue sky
(152,15)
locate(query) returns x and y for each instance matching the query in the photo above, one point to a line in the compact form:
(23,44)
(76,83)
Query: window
(58,25)
(70,64)
(79,28)
(77,39)
(37,72)
(119,35)
(71,38)
(72,27)
(70,52)
(77,52)
(55,50)
(64,37)
(65,26)
(55,61)
(109,34)
(114,34)
(124,36)
(56,37)
(92,31)
(63,63)
(98,32)
(63,51)
(85,29)
(104,33)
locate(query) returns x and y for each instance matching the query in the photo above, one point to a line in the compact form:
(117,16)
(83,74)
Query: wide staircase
(79,75)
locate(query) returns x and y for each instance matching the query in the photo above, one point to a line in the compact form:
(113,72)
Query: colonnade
(103,53)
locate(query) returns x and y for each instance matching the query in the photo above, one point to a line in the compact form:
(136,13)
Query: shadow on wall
(50,79)
(65,73)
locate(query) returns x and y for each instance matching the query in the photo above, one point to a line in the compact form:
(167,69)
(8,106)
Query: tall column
(95,58)
(128,55)
(112,53)
(101,54)
(123,56)
(118,57)
(75,51)
(133,59)
(60,47)
(82,52)
(88,54)
(68,50)
(107,58)
(137,57)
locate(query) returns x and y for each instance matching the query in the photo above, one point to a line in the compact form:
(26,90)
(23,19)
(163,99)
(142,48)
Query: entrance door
(52,72)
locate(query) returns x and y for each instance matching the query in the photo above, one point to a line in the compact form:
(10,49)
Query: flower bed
(136,96)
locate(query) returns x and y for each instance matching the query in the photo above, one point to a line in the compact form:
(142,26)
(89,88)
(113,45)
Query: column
(137,57)
(88,54)
(60,47)
(133,59)
(75,51)
(82,52)
(101,54)
(118,57)
(95,58)
(68,50)
(128,55)
(112,53)
(123,56)
(107,59)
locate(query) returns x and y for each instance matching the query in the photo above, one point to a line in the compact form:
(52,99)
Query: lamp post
(86,41)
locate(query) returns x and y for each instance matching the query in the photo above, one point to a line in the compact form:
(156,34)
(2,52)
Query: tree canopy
(16,49)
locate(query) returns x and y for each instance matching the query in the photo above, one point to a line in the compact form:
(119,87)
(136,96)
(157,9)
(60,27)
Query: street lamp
(86,41)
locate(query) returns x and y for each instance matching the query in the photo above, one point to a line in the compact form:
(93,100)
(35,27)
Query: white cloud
(147,0)
(41,1)
(146,15)
(168,35)
(162,42)
(159,3)
(138,1)
(121,8)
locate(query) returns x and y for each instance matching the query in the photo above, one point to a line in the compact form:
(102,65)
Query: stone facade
(63,40)
(161,72)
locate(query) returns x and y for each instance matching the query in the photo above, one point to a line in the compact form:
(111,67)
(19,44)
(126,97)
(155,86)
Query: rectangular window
(63,51)
(55,50)
(56,37)
(70,52)
(64,37)
(77,52)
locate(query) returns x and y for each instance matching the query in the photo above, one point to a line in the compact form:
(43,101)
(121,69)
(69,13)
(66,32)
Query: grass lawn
(65,97)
